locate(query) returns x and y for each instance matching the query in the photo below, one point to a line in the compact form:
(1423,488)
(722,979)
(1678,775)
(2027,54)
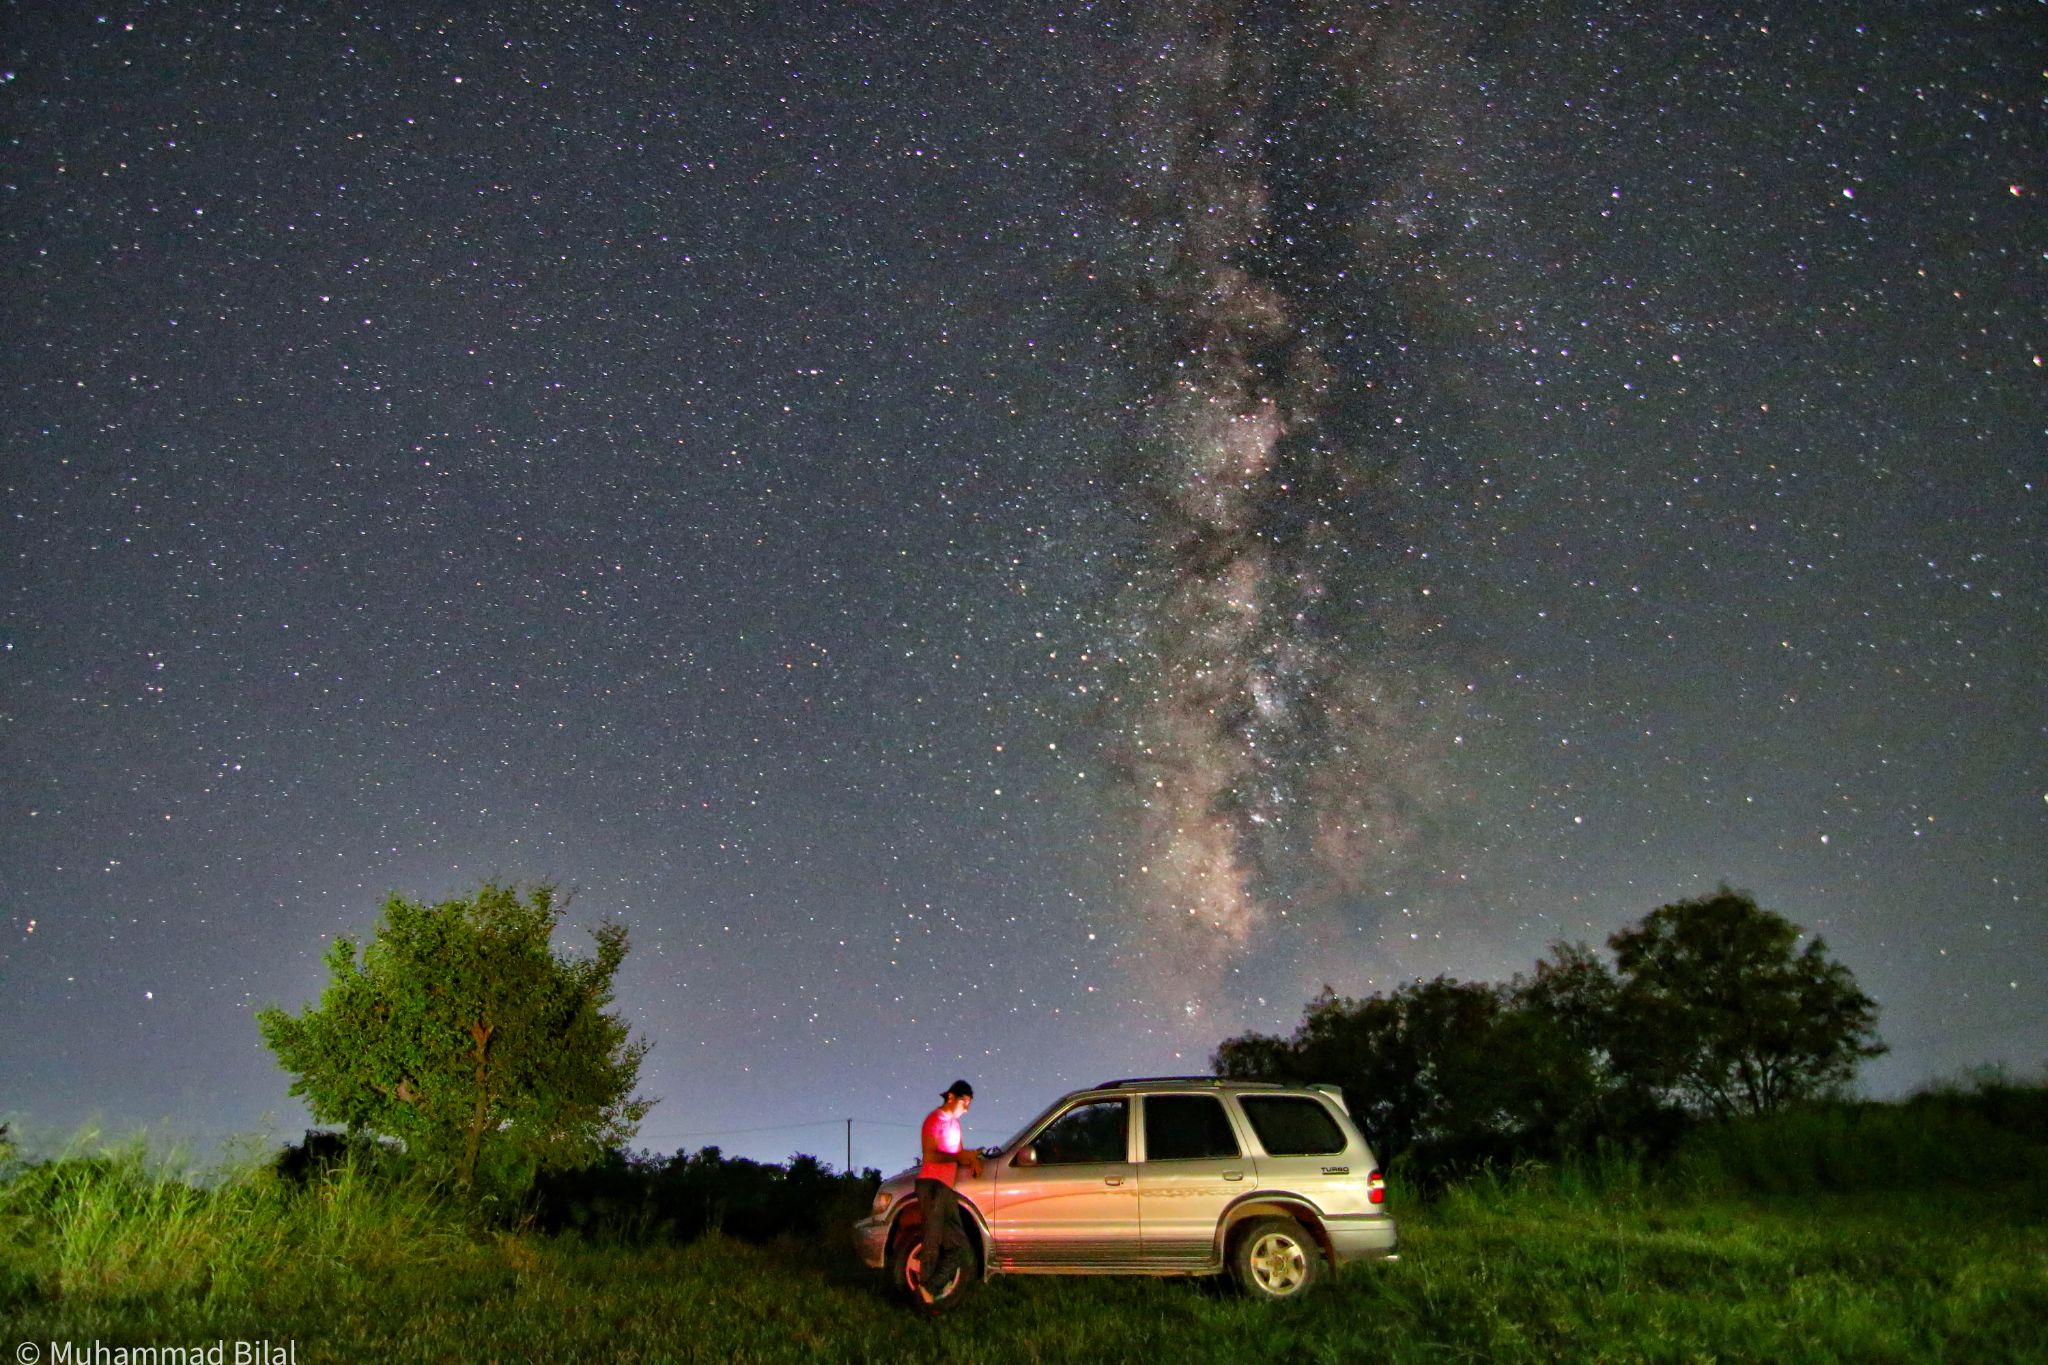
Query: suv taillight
(1376,1188)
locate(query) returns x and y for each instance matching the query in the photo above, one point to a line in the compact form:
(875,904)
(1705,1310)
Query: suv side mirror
(1026,1156)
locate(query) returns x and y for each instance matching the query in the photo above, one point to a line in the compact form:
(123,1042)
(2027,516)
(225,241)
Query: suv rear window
(1293,1125)
(1187,1128)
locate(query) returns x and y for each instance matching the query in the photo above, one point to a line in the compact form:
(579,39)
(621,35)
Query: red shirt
(944,1132)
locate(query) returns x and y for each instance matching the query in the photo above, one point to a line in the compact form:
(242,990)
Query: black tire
(1275,1259)
(905,1252)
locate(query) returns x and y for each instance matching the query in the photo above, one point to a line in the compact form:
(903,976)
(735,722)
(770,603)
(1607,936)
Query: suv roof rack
(1128,1081)
(1333,1092)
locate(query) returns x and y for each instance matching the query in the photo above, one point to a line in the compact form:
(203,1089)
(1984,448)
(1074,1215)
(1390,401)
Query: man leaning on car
(938,1206)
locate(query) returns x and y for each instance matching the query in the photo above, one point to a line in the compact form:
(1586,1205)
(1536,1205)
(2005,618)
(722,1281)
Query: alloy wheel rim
(913,1275)
(1278,1264)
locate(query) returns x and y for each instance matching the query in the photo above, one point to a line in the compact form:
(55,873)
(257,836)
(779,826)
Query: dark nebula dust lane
(1291,172)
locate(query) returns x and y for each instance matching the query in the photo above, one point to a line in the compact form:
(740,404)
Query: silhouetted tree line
(634,1196)
(1709,1010)
(677,1198)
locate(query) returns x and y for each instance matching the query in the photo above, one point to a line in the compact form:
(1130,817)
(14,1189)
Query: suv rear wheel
(1275,1258)
(906,1272)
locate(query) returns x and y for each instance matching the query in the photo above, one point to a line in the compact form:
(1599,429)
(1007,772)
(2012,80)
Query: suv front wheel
(906,1271)
(1275,1258)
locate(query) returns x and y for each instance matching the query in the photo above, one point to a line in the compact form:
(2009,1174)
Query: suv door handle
(1112,1180)
(1233,1175)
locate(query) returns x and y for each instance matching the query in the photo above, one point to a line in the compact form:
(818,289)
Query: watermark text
(219,1351)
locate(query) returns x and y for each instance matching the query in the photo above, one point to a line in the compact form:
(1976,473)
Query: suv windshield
(1040,1117)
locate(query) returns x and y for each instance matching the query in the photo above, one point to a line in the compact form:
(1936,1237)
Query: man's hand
(971,1160)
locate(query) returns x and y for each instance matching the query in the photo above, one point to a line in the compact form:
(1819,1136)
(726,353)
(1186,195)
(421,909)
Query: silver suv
(1180,1175)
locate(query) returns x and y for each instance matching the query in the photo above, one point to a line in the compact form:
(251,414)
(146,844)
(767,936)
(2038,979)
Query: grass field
(1851,1235)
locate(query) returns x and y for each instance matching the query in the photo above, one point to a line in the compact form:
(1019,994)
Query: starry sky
(1010,541)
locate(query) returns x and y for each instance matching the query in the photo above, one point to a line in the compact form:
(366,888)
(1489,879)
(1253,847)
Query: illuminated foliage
(459,1031)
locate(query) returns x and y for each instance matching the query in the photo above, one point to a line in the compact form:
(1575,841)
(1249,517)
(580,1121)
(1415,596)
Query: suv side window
(1187,1128)
(1095,1131)
(1292,1125)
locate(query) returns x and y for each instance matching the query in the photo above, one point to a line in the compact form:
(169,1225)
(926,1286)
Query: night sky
(1008,541)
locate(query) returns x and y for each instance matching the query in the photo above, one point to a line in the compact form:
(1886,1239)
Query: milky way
(1291,168)
(1511,467)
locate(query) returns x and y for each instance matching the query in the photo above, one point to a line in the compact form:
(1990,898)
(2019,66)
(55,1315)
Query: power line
(678,1135)
(734,1132)
(775,1128)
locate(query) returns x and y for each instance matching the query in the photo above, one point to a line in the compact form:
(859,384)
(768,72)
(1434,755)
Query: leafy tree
(1572,997)
(461,1032)
(1709,1008)
(1576,990)
(1438,1068)
(1717,1008)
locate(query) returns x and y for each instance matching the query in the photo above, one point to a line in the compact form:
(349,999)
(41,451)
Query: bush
(1942,1140)
(682,1197)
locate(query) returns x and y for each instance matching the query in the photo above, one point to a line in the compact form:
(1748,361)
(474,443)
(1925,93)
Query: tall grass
(1946,1139)
(116,1222)
(1758,1243)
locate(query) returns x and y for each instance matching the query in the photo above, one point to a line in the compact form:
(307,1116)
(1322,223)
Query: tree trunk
(480,1032)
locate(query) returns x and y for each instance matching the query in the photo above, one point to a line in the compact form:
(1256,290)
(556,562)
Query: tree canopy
(1451,1071)
(1716,1008)
(1710,1008)
(461,1032)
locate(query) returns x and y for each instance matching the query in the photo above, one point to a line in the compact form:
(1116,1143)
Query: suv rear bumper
(1361,1236)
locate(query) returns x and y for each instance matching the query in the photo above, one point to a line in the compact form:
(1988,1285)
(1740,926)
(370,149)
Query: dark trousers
(938,1208)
